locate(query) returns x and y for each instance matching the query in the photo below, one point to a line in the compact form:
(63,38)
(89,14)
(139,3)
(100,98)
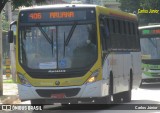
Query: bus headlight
(93,77)
(23,80)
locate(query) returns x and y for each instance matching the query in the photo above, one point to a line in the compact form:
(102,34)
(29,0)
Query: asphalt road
(147,94)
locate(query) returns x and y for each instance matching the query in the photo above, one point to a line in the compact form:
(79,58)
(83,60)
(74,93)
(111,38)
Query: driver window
(104,33)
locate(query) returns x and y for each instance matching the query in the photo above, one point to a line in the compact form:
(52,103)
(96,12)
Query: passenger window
(103,34)
(134,29)
(124,27)
(129,28)
(114,26)
(119,27)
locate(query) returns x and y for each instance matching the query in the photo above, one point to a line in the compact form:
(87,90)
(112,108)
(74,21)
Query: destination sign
(57,15)
(150,31)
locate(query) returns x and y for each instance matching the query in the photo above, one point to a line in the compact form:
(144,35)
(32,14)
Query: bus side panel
(127,66)
(106,69)
(137,73)
(117,70)
(121,71)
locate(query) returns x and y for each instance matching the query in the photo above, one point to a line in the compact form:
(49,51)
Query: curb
(9,99)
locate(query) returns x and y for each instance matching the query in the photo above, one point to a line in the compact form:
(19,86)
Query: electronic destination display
(150,31)
(29,16)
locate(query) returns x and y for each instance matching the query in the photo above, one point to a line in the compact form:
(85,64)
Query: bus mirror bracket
(12,31)
(12,24)
(104,26)
(10,36)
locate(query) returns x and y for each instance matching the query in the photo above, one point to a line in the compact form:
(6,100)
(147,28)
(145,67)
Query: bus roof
(118,13)
(149,26)
(111,12)
(57,6)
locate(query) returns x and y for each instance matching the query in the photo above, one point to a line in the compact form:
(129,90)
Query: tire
(103,100)
(127,96)
(117,98)
(38,101)
(110,96)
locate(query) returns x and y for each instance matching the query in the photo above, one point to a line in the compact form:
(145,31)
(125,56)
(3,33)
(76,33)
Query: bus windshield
(150,47)
(58,47)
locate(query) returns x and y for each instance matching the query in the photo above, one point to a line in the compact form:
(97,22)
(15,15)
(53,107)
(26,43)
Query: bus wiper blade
(52,43)
(153,43)
(64,51)
(70,34)
(24,53)
(44,34)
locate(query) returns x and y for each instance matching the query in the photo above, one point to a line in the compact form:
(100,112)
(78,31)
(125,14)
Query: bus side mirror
(12,31)
(10,36)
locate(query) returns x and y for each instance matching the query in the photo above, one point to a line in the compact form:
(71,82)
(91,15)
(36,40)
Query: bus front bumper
(154,78)
(92,90)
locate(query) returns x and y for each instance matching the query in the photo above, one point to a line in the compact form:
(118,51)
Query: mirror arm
(12,23)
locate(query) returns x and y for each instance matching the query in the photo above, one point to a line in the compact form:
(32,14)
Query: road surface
(147,94)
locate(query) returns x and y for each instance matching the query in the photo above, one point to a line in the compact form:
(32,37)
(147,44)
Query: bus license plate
(58,96)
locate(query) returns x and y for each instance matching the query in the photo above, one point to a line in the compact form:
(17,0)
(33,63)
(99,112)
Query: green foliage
(8,81)
(19,3)
(40,1)
(129,5)
(133,6)
(5,23)
(150,4)
(2,4)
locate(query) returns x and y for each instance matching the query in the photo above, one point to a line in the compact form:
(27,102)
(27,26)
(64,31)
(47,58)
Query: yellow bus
(75,53)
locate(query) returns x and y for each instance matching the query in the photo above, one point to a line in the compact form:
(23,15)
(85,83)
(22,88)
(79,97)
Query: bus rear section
(150,46)
(60,56)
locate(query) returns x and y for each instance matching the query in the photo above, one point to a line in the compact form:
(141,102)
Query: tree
(129,5)
(5,23)
(19,3)
(134,5)
(2,4)
(150,18)
(15,3)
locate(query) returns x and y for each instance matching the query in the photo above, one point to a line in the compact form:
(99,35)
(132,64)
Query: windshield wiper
(70,34)
(154,44)
(44,34)
(52,43)
(64,51)
(24,56)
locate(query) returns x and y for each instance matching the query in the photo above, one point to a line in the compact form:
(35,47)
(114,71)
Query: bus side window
(104,33)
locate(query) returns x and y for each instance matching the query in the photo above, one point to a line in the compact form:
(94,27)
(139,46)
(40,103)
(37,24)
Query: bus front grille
(48,92)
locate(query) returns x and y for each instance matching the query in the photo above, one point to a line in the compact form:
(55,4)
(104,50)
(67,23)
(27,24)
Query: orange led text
(62,14)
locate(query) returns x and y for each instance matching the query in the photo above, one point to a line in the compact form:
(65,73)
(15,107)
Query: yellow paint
(8,71)
(78,81)
(8,62)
